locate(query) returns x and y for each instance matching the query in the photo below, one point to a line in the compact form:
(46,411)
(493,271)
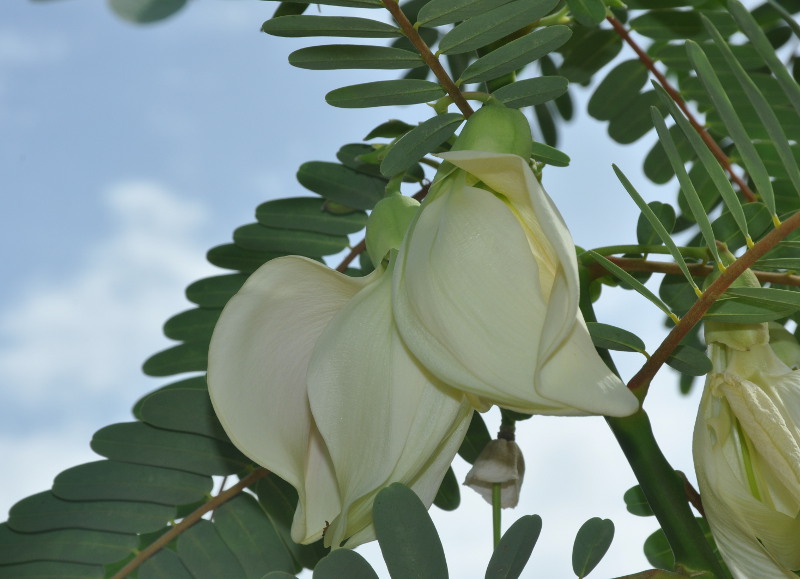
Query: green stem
(665,494)
(661,486)
(496,512)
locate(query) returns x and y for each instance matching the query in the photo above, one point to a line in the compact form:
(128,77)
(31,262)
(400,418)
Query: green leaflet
(191,324)
(251,537)
(343,56)
(516,54)
(112,480)
(145,11)
(636,502)
(183,407)
(448,497)
(438,12)
(206,555)
(514,549)
(231,256)
(614,94)
(344,26)
(686,24)
(345,3)
(308,214)
(485,28)
(69,545)
(689,360)
(384,93)
(419,141)
(187,357)
(531,91)
(614,338)
(410,544)
(587,12)
(214,292)
(687,187)
(344,563)
(341,184)
(753,163)
(142,444)
(645,233)
(549,155)
(164,565)
(45,512)
(257,237)
(591,544)
(477,437)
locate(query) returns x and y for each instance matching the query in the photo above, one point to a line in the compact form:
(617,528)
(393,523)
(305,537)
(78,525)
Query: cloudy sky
(127,152)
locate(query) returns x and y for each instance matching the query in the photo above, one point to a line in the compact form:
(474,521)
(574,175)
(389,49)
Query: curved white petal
(729,507)
(486,293)
(383,418)
(546,232)
(466,297)
(577,378)
(257,366)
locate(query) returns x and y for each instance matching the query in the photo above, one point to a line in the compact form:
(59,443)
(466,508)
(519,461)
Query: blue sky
(127,152)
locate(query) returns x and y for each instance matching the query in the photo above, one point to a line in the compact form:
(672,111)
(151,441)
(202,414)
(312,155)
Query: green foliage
(514,549)
(409,542)
(612,338)
(591,544)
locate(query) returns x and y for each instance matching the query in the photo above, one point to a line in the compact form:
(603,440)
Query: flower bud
(500,462)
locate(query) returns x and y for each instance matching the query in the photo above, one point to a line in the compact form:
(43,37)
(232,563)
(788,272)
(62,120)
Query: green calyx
(387,225)
(496,129)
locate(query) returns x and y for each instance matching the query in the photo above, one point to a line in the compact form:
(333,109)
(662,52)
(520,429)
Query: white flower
(486,293)
(747,454)
(310,379)
(500,462)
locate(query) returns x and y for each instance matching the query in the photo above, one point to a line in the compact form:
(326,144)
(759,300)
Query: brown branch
(715,290)
(692,495)
(633,264)
(662,80)
(188,521)
(428,57)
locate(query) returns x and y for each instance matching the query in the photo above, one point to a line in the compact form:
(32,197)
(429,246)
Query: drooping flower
(486,283)
(311,380)
(500,462)
(747,453)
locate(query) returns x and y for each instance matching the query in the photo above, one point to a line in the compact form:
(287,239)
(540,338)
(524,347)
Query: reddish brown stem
(428,57)
(723,159)
(633,264)
(188,521)
(644,376)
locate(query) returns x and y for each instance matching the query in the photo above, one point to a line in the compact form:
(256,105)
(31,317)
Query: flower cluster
(343,385)
(747,449)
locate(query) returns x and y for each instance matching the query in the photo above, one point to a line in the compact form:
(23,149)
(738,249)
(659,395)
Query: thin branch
(188,521)
(632,264)
(428,57)
(662,80)
(715,290)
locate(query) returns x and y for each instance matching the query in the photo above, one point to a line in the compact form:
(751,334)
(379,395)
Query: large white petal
(546,233)
(257,366)
(467,300)
(379,412)
(578,379)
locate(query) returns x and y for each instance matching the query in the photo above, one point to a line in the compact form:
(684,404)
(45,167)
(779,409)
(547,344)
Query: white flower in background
(486,283)
(310,379)
(747,453)
(500,462)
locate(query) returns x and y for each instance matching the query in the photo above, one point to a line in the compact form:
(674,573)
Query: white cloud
(89,332)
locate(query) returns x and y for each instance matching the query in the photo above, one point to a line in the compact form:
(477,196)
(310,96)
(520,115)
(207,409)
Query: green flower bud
(387,225)
(496,129)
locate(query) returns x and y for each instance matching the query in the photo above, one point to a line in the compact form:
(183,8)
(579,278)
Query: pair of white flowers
(343,385)
(747,449)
